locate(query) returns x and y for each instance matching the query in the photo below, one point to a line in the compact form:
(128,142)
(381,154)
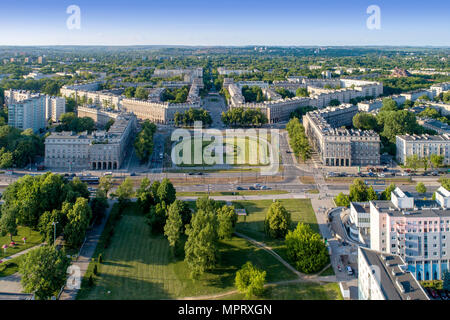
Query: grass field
(236,151)
(138,265)
(10,267)
(252,225)
(33,239)
(300,291)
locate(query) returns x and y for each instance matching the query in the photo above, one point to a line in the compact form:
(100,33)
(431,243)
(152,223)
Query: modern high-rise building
(417,230)
(54,108)
(25,110)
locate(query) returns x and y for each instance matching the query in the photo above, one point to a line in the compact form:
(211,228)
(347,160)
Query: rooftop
(395,282)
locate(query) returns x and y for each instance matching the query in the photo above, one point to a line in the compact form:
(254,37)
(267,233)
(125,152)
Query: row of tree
(51,204)
(240,117)
(298,139)
(188,117)
(143,143)
(70,122)
(360,192)
(18,148)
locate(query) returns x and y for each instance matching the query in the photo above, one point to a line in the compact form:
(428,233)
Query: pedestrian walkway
(86,254)
(18,254)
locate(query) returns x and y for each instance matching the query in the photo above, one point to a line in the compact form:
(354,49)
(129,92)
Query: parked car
(381,175)
(251,188)
(239,188)
(349,270)
(434,294)
(132,174)
(435,173)
(371,174)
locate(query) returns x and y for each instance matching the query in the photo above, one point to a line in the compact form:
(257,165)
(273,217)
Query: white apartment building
(416,230)
(25,110)
(383,276)
(54,108)
(360,216)
(423,146)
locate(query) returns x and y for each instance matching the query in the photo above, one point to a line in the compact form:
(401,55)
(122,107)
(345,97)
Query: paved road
(86,254)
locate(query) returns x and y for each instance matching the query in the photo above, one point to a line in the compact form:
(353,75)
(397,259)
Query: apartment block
(423,146)
(417,230)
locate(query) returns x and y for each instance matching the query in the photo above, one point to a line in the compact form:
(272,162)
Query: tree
(99,204)
(166,192)
(302,92)
(105,184)
(143,143)
(386,194)
(156,218)
(298,140)
(334,102)
(43,271)
(342,200)
(278,220)
(365,121)
(78,219)
(445,182)
(388,105)
(250,280)
(141,93)
(358,191)
(436,160)
(124,192)
(51,225)
(8,224)
(201,246)
(420,188)
(413,161)
(227,219)
(144,195)
(306,249)
(129,92)
(174,225)
(371,194)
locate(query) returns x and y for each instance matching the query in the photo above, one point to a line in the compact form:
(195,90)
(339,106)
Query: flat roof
(395,283)
(361,206)
(424,208)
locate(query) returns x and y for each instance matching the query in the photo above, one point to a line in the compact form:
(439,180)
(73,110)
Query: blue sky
(229,22)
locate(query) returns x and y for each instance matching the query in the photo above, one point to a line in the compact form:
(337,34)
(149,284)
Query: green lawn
(253,224)
(300,291)
(138,265)
(9,267)
(33,239)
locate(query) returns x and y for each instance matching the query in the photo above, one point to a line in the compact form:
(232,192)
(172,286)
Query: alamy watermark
(373,22)
(74,278)
(74,20)
(232,147)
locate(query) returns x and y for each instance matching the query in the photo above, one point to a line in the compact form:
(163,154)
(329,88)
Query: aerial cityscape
(157,167)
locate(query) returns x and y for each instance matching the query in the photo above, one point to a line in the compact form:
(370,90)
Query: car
(435,173)
(405,174)
(200,173)
(349,270)
(251,188)
(371,174)
(433,293)
(191,173)
(339,268)
(132,174)
(381,175)
(264,188)
(239,188)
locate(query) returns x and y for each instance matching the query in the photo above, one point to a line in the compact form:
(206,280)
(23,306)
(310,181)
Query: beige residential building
(338,146)
(99,150)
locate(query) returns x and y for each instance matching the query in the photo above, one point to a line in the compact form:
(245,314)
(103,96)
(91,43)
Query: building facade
(416,230)
(99,150)
(26,110)
(54,108)
(338,146)
(423,146)
(384,277)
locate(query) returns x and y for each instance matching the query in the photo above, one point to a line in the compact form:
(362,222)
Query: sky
(225,23)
